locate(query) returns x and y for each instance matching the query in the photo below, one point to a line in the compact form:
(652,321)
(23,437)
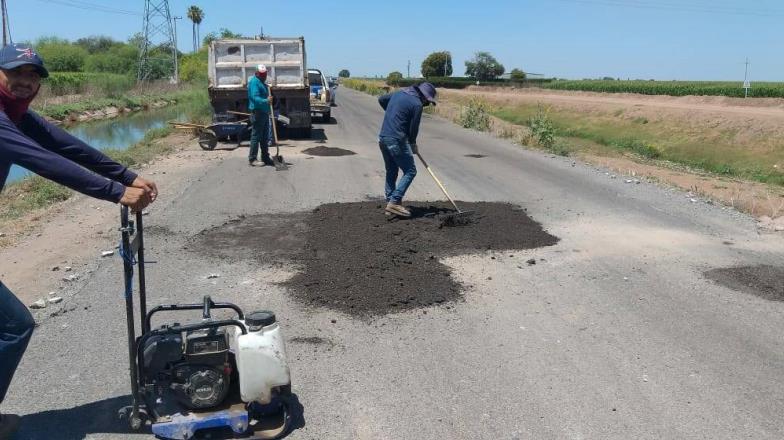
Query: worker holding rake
(397,140)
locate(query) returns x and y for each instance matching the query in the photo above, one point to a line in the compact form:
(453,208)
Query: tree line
(482,67)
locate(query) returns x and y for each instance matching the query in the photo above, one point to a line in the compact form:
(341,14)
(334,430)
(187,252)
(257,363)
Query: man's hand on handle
(135,198)
(147,185)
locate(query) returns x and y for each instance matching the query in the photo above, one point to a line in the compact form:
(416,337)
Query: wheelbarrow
(210,135)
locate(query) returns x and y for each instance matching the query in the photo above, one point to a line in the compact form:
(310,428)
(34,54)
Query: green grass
(673,88)
(372,87)
(66,83)
(63,111)
(30,194)
(702,148)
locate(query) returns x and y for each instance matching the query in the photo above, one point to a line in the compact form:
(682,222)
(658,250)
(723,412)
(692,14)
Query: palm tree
(196,15)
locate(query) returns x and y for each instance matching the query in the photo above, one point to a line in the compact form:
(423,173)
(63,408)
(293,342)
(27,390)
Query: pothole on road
(353,259)
(328,151)
(764,281)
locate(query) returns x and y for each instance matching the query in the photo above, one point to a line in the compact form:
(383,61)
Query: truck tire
(327,116)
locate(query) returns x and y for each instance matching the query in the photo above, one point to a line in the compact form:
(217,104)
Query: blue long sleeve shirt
(402,115)
(258,95)
(55,154)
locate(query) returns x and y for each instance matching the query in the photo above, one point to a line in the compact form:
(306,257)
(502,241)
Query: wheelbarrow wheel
(208,140)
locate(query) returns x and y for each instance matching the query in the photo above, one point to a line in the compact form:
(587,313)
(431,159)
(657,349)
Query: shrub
(394,78)
(121,59)
(542,129)
(517,75)
(112,86)
(65,83)
(63,57)
(193,67)
(642,148)
(475,116)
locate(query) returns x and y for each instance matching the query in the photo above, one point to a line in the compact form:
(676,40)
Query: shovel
(277,159)
(460,218)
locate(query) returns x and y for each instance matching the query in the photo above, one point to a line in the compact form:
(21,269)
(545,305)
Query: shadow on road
(101,417)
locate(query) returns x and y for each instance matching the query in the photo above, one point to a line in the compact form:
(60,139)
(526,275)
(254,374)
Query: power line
(682,7)
(87,6)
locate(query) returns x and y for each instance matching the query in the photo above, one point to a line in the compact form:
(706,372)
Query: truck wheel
(326,117)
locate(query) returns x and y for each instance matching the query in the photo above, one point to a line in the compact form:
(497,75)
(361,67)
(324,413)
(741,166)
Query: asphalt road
(614,333)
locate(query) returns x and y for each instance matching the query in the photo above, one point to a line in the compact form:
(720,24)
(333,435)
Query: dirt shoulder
(72,234)
(754,124)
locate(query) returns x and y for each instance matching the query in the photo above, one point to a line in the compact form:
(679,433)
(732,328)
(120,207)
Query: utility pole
(6,27)
(158,39)
(176,52)
(746,82)
(446,62)
(408,70)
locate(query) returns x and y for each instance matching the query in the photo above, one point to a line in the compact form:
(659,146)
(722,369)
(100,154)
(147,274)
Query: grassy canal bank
(33,193)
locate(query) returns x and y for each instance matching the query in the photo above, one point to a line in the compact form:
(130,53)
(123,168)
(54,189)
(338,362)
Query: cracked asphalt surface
(614,333)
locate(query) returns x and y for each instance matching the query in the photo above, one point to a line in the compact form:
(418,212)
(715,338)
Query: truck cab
(319,95)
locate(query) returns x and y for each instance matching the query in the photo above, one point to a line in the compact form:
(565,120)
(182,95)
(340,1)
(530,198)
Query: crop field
(673,88)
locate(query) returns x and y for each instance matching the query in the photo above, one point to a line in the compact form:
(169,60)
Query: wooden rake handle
(272,119)
(438,182)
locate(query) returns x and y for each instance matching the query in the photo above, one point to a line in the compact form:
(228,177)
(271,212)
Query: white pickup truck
(233,62)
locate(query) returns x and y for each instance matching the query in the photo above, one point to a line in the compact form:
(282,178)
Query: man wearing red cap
(259,106)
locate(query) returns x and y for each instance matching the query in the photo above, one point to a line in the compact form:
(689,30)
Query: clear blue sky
(659,39)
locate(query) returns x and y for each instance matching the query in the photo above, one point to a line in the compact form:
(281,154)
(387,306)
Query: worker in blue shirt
(28,140)
(398,140)
(259,106)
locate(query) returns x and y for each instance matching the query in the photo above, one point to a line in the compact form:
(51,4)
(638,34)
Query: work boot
(397,209)
(267,160)
(252,163)
(9,423)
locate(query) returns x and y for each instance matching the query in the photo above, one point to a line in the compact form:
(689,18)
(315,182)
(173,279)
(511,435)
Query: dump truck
(232,62)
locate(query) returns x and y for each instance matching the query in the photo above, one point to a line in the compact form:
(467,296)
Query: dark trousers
(16,327)
(397,156)
(260,122)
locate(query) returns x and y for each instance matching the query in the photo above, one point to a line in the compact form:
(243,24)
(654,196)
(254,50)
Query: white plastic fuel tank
(261,357)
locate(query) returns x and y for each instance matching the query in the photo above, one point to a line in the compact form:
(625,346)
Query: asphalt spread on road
(355,259)
(762,280)
(328,151)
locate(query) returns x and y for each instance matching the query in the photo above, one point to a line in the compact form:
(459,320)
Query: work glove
(414,148)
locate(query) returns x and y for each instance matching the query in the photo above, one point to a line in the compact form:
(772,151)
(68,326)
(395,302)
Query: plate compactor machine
(199,377)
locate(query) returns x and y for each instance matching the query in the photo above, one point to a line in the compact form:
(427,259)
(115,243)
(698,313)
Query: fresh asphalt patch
(763,281)
(354,259)
(328,151)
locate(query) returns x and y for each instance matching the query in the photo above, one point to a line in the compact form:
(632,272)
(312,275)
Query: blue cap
(428,91)
(15,55)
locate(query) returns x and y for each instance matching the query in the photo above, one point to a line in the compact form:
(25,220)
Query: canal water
(119,133)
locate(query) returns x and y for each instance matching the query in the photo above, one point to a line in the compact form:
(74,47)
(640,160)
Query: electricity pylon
(158,53)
